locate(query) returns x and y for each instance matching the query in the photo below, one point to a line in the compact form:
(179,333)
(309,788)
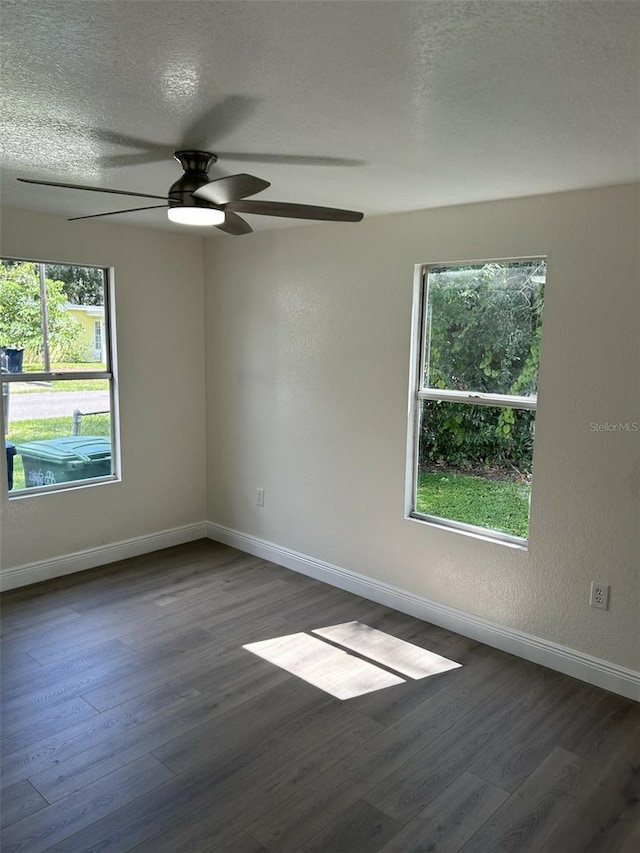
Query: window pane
(61,430)
(52,316)
(21,330)
(76,332)
(475,465)
(483,327)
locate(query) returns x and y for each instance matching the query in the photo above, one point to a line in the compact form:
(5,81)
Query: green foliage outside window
(21,315)
(464,435)
(483,335)
(81,285)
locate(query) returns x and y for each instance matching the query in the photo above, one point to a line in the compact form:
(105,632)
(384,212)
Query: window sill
(479,533)
(57,488)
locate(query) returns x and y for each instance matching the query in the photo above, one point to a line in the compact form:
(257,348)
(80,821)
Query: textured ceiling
(373,106)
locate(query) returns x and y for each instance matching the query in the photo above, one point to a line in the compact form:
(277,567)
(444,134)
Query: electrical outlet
(599,595)
(260,497)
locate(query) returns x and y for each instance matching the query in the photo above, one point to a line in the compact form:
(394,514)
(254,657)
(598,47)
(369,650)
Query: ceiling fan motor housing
(196,165)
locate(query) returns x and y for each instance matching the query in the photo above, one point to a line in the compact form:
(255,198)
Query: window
(473,410)
(58,385)
(97,340)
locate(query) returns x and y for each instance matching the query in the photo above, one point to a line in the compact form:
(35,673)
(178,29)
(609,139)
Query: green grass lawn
(46,428)
(496,505)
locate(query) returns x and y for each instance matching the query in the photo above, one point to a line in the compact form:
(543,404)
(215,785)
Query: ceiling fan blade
(224,190)
(92,189)
(114,212)
(288,159)
(234,224)
(294,211)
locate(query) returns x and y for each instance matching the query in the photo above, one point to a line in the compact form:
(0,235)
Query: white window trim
(109,350)
(506,400)
(417,394)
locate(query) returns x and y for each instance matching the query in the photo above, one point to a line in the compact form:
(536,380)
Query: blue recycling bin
(12,359)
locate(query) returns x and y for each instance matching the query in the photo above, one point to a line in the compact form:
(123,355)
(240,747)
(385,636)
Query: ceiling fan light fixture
(196,215)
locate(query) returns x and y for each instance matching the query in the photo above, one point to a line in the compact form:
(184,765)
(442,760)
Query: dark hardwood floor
(133,719)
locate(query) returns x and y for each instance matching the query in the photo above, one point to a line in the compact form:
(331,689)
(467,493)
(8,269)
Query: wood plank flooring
(133,719)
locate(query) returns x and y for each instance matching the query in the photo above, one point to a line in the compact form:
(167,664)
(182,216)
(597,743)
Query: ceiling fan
(194,199)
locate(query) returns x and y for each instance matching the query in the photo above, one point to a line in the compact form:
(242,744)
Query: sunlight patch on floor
(344,675)
(332,670)
(399,655)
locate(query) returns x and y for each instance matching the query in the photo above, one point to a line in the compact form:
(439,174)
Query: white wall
(307,347)
(160,341)
(307,353)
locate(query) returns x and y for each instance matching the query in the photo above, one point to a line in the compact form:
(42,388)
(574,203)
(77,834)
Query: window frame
(418,393)
(110,374)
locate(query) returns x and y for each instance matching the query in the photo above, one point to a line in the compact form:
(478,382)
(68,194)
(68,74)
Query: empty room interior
(320,349)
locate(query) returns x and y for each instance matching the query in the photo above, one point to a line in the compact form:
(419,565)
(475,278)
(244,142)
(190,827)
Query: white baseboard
(91,558)
(601,673)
